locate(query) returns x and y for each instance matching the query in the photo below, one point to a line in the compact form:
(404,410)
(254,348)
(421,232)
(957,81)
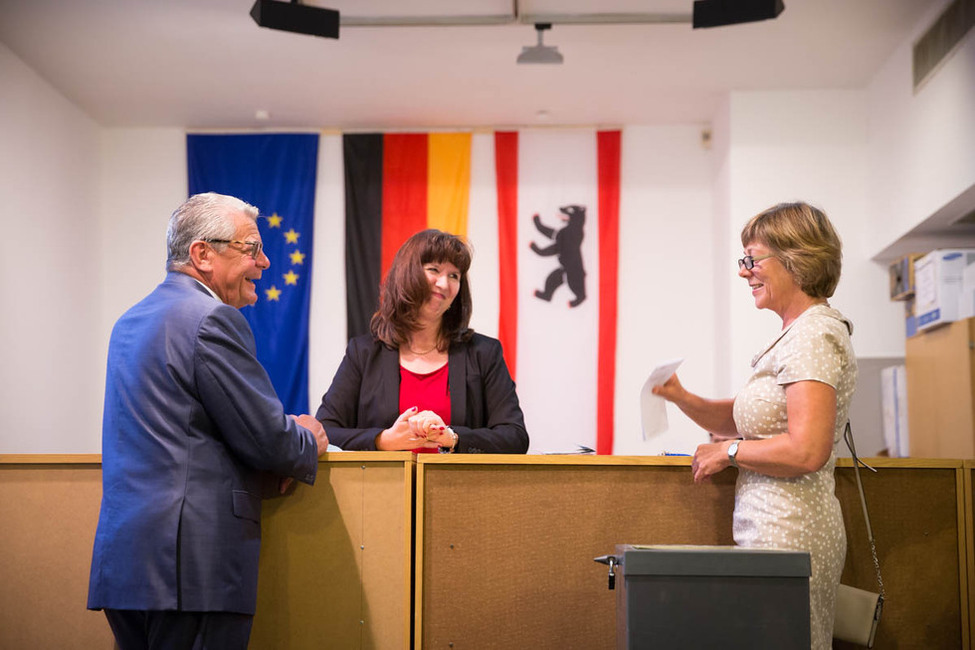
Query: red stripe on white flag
(609,152)
(564,329)
(506,172)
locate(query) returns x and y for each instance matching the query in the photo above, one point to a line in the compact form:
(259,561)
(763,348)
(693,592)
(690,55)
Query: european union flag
(275,173)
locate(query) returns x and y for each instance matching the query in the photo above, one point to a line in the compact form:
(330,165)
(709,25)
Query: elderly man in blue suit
(192,432)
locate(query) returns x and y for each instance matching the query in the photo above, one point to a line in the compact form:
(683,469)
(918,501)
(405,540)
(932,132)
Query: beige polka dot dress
(799,513)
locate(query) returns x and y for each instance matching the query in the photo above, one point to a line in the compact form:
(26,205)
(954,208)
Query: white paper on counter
(653,409)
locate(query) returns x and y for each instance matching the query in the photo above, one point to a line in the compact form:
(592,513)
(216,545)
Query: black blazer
(484,412)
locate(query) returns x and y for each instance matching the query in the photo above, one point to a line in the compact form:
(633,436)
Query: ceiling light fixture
(540,53)
(295,17)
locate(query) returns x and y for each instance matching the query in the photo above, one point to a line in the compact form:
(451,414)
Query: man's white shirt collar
(209,290)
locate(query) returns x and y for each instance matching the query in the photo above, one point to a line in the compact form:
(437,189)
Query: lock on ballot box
(722,597)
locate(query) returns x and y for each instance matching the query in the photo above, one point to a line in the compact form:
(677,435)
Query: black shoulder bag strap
(848,436)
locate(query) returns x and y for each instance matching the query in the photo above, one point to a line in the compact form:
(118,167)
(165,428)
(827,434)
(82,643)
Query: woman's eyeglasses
(748,262)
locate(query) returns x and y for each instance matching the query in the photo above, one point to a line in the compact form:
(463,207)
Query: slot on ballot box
(721,597)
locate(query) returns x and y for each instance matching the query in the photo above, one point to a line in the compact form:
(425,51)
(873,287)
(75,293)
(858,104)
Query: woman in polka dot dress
(780,430)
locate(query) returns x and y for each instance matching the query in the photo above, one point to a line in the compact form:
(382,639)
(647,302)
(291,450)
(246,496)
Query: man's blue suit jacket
(192,429)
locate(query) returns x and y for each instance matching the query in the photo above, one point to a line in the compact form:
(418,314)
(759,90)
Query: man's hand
(321,438)
(317,430)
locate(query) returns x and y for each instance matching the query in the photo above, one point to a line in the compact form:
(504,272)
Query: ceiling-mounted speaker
(715,13)
(298,18)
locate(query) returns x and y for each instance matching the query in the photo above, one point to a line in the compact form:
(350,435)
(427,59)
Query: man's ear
(201,256)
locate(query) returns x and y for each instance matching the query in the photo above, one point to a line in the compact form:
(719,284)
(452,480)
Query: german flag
(397,184)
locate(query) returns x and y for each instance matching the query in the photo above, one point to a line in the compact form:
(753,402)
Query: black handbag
(858,610)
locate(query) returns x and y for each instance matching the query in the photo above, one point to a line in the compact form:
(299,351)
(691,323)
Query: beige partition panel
(918,520)
(969,490)
(335,561)
(48,514)
(507,544)
(336,557)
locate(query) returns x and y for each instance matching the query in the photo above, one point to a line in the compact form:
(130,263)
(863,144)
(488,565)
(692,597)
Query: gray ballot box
(721,597)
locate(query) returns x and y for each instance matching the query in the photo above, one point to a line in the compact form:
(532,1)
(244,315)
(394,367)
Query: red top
(427,392)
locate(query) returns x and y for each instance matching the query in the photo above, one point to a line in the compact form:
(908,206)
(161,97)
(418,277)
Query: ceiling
(206,64)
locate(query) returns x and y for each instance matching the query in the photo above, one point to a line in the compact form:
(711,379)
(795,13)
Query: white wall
(666,288)
(810,146)
(327,321)
(51,399)
(921,145)
(143,180)
(724,247)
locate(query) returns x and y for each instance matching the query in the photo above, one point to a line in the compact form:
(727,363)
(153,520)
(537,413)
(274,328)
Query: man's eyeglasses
(748,262)
(252,248)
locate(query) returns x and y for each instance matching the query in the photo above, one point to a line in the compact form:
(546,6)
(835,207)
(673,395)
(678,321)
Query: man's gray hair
(202,217)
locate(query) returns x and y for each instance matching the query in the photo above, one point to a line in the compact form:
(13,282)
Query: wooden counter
(49,510)
(508,544)
(335,559)
(502,548)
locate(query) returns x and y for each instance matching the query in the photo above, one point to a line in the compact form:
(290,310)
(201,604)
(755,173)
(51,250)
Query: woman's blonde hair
(803,239)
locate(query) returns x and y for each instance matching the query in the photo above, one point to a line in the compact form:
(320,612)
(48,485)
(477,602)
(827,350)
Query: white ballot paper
(653,409)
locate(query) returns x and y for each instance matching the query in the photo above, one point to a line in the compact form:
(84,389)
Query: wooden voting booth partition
(505,546)
(336,557)
(335,561)
(48,513)
(920,514)
(968,488)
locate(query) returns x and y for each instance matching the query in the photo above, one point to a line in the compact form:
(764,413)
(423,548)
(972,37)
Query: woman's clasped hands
(412,429)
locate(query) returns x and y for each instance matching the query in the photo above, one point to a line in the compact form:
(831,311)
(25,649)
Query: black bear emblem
(567,245)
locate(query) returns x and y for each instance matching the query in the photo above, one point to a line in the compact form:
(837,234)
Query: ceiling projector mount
(540,53)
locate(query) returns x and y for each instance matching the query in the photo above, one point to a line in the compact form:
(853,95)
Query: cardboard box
(902,277)
(966,302)
(910,318)
(937,290)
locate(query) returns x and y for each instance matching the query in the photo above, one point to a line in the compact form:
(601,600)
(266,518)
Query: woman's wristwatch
(454,438)
(733,453)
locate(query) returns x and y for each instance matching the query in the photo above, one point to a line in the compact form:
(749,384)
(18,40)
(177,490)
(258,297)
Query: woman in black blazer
(424,380)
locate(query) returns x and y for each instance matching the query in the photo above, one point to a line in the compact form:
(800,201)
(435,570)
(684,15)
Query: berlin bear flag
(558,240)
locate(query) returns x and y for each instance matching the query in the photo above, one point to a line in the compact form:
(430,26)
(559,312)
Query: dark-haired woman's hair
(405,289)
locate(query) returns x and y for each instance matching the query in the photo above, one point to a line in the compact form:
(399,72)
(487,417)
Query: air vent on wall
(939,41)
